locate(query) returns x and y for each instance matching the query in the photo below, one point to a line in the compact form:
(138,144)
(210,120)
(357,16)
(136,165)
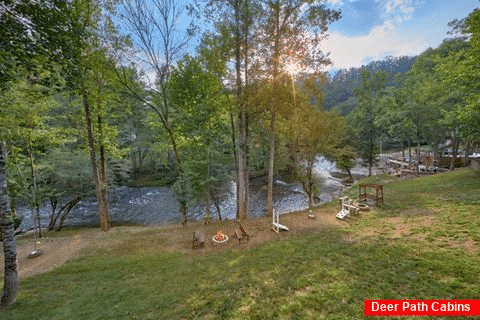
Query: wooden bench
(198,240)
(241,234)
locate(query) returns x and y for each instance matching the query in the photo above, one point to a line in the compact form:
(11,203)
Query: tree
(155,34)
(10,274)
(370,89)
(289,39)
(199,103)
(95,39)
(426,103)
(233,33)
(29,31)
(93,89)
(311,132)
(345,154)
(28,139)
(460,71)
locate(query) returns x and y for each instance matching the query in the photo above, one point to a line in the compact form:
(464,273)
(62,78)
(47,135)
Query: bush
(17,220)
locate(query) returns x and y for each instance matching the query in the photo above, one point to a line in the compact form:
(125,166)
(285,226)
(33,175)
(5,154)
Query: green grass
(414,247)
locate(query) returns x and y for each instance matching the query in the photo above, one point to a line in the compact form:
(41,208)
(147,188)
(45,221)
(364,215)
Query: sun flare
(292,67)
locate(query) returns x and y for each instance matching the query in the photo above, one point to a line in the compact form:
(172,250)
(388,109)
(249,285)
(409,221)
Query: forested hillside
(340,86)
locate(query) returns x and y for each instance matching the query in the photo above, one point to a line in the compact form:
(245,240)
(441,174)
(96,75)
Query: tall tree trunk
(453,163)
(417,162)
(53,205)
(181,175)
(310,184)
(409,154)
(207,206)
(465,156)
(216,202)
(271,159)
(135,169)
(246,48)
(10,274)
(234,142)
(102,215)
(349,172)
(271,162)
(36,205)
(370,156)
(242,175)
(242,190)
(103,175)
(436,156)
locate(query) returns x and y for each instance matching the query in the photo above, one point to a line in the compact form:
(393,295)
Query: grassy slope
(423,244)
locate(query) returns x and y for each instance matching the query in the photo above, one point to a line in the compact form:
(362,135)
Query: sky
(374,29)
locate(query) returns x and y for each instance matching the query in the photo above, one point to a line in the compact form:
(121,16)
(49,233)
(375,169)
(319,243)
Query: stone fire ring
(220,241)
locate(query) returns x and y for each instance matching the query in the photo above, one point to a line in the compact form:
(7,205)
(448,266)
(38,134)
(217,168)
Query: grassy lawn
(422,244)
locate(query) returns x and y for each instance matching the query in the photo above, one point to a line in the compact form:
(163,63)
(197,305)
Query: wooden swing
(377,198)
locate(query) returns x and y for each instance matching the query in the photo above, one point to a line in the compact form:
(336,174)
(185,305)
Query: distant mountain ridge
(339,87)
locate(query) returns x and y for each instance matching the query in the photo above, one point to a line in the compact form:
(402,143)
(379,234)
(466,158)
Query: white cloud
(381,41)
(353,51)
(335,2)
(400,10)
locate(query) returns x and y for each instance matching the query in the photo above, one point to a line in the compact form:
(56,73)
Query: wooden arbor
(363,195)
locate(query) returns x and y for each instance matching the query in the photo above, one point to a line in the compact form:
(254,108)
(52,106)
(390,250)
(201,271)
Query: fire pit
(220,238)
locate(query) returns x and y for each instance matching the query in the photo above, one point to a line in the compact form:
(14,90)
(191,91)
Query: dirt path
(58,248)
(55,252)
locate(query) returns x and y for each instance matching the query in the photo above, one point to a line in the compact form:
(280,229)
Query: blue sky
(374,29)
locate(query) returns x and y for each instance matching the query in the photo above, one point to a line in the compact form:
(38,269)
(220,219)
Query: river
(157,205)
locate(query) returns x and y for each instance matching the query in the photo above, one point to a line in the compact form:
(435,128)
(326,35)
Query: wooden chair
(241,234)
(198,240)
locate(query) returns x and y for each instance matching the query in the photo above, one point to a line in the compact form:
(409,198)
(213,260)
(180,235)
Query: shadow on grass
(325,275)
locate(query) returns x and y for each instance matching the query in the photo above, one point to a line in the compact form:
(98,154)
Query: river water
(157,205)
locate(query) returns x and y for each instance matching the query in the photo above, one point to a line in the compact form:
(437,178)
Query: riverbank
(423,243)
(158,205)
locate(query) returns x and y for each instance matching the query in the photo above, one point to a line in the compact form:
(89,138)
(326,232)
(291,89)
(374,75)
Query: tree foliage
(311,132)
(200,126)
(369,95)
(459,71)
(34,37)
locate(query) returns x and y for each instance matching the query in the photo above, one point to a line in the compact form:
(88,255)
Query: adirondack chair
(276,226)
